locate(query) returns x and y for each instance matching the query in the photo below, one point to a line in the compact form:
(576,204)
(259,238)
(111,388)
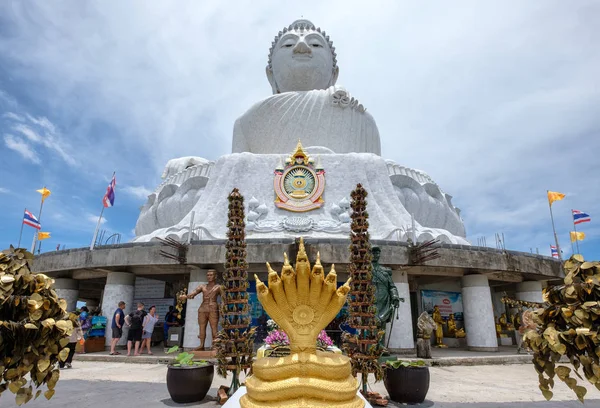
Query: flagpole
(21,233)
(96,231)
(40,221)
(576,235)
(572,247)
(554,229)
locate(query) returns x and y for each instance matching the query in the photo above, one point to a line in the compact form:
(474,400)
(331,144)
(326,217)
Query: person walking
(148,327)
(118,321)
(76,336)
(135,322)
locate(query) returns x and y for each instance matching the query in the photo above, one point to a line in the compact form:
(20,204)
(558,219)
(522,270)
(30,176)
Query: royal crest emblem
(299,185)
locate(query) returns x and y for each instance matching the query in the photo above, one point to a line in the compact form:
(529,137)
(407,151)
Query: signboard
(149,288)
(162,306)
(447,302)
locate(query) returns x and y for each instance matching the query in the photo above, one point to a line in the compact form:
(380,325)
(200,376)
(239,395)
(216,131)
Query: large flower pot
(189,383)
(407,384)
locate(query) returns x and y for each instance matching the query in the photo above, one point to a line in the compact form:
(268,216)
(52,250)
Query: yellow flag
(44,192)
(554,196)
(577,236)
(43,235)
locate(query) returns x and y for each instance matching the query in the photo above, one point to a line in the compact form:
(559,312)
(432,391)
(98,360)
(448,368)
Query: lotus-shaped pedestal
(302,302)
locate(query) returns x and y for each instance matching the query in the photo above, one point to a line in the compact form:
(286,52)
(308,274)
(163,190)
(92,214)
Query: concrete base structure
(401,333)
(479,313)
(530,291)
(119,287)
(517,275)
(67,289)
(192,328)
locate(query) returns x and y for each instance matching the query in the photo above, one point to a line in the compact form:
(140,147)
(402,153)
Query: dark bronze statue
(387,293)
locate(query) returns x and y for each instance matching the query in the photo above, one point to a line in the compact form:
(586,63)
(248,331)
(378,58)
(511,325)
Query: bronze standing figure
(208,312)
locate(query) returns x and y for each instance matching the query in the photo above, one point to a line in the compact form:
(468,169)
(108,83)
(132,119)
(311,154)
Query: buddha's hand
(302,302)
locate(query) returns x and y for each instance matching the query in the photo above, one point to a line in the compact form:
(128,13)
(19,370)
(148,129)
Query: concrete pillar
(479,313)
(401,333)
(67,289)
(530,291)
(119,287)
(192,329)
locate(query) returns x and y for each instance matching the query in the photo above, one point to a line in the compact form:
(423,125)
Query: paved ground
(115,385)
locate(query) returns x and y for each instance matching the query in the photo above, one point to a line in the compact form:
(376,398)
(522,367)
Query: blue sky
(497,102)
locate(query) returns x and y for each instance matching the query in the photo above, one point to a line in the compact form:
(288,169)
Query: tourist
(135,322)
(86,324)
(117,327)
(170,321)
(76,336)
(147,329)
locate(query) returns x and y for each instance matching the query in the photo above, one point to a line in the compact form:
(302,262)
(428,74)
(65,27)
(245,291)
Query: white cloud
(4,190)
(46,135)
(13,116)
(140,192)
(94,219)
(19,146)
(28,132)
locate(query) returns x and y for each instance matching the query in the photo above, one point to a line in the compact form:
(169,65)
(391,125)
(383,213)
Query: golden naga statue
(302,303)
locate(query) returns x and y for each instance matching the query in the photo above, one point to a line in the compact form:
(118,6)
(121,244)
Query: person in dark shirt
(135,320)
(170,321)
(117,327)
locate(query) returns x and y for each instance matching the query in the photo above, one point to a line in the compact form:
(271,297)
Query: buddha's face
(301,61)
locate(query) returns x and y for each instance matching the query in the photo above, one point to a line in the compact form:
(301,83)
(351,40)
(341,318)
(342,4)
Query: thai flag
(554,251)
(29,219)
(109,197)
(579,217)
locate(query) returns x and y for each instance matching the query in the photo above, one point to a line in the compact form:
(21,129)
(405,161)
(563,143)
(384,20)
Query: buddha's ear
(271,79)
(334,77)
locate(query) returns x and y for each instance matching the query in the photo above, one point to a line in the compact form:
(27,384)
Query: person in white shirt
(148,327)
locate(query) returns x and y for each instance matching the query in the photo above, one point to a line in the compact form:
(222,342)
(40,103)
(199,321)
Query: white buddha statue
(306,103)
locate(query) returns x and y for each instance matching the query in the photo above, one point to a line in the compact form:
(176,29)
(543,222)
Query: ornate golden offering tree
(365,347)
(567,325)
(235,341)
(302,302)
(34,329)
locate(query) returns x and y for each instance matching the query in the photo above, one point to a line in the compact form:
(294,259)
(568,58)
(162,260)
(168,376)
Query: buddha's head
(302,58)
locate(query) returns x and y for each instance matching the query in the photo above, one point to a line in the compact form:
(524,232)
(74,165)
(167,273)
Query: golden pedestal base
(309,380)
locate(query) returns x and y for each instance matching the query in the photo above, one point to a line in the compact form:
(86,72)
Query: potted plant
(406,381)
(188,380)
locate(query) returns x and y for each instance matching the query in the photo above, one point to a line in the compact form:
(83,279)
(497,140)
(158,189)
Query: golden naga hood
(302,302)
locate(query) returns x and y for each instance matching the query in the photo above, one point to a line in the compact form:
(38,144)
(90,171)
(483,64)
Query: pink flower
(323,340)
(277,338)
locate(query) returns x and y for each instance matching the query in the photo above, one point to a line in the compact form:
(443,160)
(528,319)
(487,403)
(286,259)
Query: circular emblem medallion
(303,315)
(299,182)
